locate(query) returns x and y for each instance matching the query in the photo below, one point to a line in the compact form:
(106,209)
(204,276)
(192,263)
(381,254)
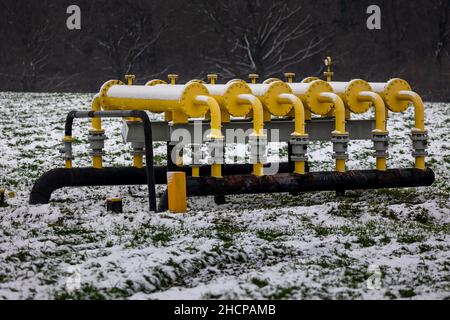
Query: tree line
(231,38)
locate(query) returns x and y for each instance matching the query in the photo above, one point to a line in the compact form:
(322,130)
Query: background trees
(232,38)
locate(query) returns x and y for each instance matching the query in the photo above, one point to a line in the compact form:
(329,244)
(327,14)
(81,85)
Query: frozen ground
(278,246)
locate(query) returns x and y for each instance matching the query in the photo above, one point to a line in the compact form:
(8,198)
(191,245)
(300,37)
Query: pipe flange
(187,101)
(258,148)
(271,101)
(312,94)
(197,154)
(66,150)
(104,91)
(309,79)
(155,82)
(380,144)
(216,150)
(232,105)
(390,95)
(299,148)
(419,142)
(351,94)
(97,140)
(340,145)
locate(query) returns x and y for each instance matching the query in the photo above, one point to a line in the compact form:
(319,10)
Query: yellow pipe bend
(331,97)
(339,107)
(299,124)
(380,119)
(258,124)
(419,113)
(380,108)
(214,110)
(299,112)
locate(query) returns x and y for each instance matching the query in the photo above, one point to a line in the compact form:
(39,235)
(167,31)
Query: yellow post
(97,161)
(196,171)
(176,188)
(289,76)
(68,162)
(173,78)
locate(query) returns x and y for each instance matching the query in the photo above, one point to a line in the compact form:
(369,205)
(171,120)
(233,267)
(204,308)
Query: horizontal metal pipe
(313,181)
(82,177)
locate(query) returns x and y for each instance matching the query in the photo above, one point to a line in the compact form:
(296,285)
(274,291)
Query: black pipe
(109,176)
(313,181)
(148,140)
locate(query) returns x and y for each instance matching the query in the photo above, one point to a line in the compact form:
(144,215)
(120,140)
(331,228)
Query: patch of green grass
(365,241)
(406,293)
(158,235)
(410,237)
(322,231)
(269,234)
(87,292)
(226,231)
(283,293)
(260,283)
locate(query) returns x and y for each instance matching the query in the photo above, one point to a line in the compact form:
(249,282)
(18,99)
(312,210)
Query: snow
(158,92)
(309,246)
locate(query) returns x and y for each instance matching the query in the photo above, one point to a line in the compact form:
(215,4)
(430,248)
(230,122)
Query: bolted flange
(419,143)
(380,144)
(340,144)
(216,150)
(97,142)
(66,149)
(299,148)
(258,148)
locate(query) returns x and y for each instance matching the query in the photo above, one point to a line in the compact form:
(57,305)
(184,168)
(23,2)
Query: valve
(419,143)
(212,78)
(328,74)
(173,78)
(299,147)
(130,78)
(97,142)
(289,76)
(380,144)
(258,148)
(340,144)
(253,77)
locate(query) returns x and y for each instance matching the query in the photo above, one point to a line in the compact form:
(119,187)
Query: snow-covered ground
(383,244)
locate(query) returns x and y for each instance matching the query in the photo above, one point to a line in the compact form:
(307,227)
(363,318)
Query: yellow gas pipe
(339,108)
(258,124)
(380,119)
(97,161)
(397,96)
(299,124)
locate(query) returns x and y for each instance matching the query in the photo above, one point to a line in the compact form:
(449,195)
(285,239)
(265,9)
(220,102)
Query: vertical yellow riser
(176,188)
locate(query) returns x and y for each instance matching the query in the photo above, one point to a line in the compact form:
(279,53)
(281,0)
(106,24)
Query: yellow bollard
(176,188)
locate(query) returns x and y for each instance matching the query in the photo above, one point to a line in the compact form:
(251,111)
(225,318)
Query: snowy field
(311,246)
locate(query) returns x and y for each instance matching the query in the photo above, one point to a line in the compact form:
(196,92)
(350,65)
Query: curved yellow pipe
(299,123)
(97,161)
(419,118)
(258,124)
(419,113)
(339,107)
(214,110)
(380,119)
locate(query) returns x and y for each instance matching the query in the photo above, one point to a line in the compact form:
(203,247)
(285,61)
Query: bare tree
(264,37)
(30,38)
(127,37)
(443,10)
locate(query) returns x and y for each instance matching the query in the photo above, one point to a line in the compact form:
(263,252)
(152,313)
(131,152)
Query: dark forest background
(232,38)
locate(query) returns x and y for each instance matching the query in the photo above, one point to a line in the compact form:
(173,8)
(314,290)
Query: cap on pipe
(253,77)
(389,92)
(270,80)
(269,93)
(309,93)
(309,79)
(212,77)
(349,92)
(289,76)
(227,96)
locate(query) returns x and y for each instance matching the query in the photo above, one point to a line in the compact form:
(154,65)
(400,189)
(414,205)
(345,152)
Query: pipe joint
(197,154)
(419,143)
(66,150)
(97,142)
(380,144)
(340,145)
(299,148)
(258,149)
(216,150)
